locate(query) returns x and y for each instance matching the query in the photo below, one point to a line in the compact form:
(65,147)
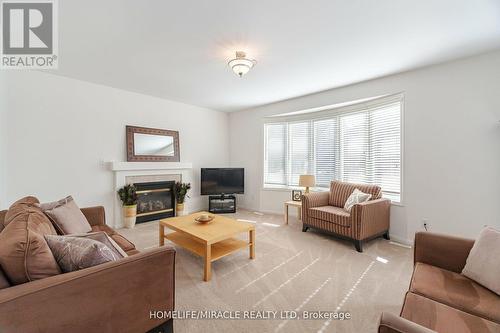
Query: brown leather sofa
(325,211)
(116,296)
(440,299)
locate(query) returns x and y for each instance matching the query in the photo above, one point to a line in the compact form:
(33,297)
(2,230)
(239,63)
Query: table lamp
(307,181)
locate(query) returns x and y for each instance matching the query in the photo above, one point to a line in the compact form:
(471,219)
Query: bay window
(359,144)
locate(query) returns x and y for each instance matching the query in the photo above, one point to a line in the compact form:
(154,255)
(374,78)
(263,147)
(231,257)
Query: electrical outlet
(425,223)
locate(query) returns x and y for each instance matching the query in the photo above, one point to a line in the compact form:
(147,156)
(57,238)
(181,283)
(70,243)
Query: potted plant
(181,190)
(128,196)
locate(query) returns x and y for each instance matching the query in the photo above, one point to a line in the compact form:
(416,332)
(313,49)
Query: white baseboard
(401,240)
(261,211)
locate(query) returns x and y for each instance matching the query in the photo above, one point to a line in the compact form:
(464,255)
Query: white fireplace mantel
(135,166)
(125,170)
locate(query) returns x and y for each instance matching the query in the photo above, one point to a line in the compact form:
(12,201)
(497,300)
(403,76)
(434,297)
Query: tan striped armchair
(325,211)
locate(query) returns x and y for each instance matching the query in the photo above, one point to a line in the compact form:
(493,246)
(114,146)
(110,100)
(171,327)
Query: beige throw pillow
(483,262)
(66,216)
(356,197)
(75,253)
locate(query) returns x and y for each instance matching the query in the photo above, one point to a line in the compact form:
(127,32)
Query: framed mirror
(152,145)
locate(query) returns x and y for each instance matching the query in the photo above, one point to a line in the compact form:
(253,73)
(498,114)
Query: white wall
(60,130)
(451,145)
(3,138)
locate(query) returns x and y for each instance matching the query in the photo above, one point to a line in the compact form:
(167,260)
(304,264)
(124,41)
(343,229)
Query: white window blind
(354,148)
(385,148)
(361,145)
(325,151)
(275,154)
(299,151)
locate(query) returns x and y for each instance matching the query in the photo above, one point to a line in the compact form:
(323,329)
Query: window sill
(278,188)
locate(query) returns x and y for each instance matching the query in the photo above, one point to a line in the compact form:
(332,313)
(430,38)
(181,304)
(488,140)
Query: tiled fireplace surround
(142,172)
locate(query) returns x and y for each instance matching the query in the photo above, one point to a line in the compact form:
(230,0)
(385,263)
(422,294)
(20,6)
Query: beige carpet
(292,271)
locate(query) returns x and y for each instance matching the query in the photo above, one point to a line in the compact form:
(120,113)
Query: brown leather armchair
(325,211)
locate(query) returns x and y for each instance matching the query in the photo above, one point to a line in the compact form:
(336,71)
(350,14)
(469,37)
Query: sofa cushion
(2,219)
(24,253)
(75,253)
(483,262)
(107,229)
(442,318)
(331,214)
(455,290)
(66,216)
(4,282)
(95,215)
(124,243)
(340,191)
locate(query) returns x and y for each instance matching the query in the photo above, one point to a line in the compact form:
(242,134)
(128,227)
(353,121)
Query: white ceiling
(179,49)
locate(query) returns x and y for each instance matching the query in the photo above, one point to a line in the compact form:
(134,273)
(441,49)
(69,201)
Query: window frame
(327,112)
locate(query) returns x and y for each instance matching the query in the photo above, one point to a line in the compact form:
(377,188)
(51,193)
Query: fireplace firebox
(155,200)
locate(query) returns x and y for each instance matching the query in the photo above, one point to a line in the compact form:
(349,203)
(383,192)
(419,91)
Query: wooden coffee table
(211,241)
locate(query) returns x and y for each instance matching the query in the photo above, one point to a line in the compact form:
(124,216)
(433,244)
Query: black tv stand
(220,204)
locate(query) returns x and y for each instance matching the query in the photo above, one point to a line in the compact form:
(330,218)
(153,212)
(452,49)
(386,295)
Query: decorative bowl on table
(204,219)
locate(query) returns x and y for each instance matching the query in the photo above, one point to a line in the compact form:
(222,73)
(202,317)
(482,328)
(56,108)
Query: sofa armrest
(390,323)
(314,199)
(371,218)
(447,252)
(113,297)
(95,215)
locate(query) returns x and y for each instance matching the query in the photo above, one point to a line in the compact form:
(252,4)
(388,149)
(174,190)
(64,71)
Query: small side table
(297,204)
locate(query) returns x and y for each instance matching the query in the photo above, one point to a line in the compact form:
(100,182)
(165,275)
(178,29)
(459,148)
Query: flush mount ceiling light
(241,64)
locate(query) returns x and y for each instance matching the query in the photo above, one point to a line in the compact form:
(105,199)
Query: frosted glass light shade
(241,65)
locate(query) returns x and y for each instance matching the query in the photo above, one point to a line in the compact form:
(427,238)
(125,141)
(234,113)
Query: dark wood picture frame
(132,157)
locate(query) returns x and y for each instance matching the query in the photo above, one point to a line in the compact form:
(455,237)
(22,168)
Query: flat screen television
(222,181)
